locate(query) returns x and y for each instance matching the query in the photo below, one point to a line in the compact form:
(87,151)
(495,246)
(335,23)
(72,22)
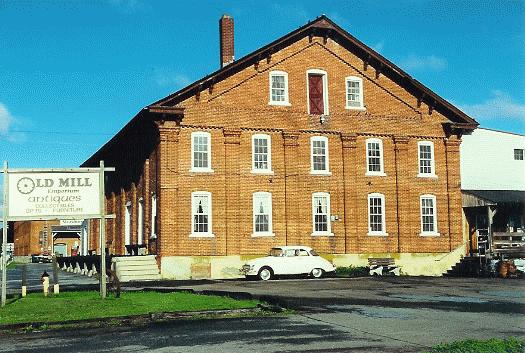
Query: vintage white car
(288,260)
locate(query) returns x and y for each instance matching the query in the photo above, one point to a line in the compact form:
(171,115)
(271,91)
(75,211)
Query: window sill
(429,234)
(375,174)
(202,235)
(281,104)
(377,234)
(203,170)
(322,234)
(262,235)
(262,172)
(355,108)
(432,176)
(320,172)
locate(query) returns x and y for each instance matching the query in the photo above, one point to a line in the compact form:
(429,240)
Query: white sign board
(60,195)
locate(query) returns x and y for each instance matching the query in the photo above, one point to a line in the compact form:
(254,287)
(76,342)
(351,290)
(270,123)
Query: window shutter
(315,91)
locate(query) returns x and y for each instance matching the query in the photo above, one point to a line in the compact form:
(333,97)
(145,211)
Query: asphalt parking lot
(399,311)
(369,314)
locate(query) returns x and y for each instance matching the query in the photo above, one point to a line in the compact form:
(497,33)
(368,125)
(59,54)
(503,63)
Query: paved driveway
(406,311)
(402,314)
(35,271)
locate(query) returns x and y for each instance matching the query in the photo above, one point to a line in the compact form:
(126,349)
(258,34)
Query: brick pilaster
(168,153)
(291,180)
(349,144)
(453,192)
(232,141)
(404,224)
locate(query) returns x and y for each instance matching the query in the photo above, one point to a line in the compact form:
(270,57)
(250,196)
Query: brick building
(314,139)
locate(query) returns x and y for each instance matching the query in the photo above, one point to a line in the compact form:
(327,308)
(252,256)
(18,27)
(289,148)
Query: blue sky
(72,73)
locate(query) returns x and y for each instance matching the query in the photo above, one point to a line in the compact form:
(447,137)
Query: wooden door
(315,92)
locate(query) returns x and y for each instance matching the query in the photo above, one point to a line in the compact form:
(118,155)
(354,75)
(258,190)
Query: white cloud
(6,119)
(432,62)
(167,77)
(499,106)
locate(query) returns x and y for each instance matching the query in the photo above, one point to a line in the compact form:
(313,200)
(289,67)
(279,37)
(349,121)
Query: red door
(315,91)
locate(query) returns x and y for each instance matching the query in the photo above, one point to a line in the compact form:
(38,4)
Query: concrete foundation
(224,267)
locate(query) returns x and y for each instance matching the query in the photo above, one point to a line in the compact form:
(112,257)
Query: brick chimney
(226,38)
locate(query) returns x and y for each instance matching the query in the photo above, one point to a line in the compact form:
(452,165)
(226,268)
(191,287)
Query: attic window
(354,93)
(278,88)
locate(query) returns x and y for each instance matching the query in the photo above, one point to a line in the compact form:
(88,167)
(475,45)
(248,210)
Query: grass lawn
(494,345)
(88,305)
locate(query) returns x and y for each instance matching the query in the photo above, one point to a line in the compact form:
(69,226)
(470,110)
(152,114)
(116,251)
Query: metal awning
(475,198)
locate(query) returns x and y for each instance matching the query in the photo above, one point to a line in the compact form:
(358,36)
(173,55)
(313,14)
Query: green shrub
(493,345)
(352,271)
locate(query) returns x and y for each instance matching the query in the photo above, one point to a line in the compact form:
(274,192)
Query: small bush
(493,345)
(352,271)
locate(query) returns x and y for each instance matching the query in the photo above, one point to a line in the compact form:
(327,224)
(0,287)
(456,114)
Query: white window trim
(327,170)
(140,221)
(128,214)
(270,232)
(434,233)
(153,235)
(329,216)
(354,79)
(286,96)
(383,214)
(432,161)
(325,89)
(262,171)
(381,159)
(196,169)
(208,234)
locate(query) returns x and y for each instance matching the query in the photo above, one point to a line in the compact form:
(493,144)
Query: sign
(71,222)
(43,195)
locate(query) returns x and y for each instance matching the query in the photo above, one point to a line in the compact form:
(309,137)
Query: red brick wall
(236,108)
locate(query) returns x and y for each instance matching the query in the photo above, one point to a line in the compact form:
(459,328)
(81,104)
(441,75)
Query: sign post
(102,197)
(51,194)
(4,238)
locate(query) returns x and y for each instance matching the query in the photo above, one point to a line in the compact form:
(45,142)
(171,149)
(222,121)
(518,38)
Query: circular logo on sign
(25,185)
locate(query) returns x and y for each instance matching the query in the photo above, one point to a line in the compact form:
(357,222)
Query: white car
(288,260)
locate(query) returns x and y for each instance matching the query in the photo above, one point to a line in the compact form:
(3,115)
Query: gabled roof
(324,27)
(320,27)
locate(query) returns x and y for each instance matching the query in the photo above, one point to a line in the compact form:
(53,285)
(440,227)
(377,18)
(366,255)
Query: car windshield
(314,253)
(276,252)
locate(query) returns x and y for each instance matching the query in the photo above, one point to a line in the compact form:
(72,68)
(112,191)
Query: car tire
(265,273)
(317,273)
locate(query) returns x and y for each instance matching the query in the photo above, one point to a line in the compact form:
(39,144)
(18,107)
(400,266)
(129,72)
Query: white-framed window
(426,159)
(376,214)
(374,157)
(518,154)
(321,214)
(428,212)
(201,152)
(317,92)
(319,158)
(261,153)
(201,221)
(262,214)
(354,93)
(278,88)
